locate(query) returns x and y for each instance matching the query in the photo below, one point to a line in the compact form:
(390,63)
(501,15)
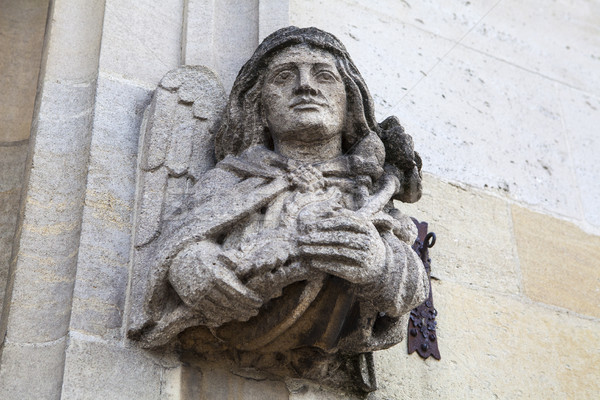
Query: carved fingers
(346,245)
(228,299)
(271,253)
(204,283)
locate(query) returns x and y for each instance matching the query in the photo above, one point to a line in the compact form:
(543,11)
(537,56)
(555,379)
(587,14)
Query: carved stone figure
(265,228)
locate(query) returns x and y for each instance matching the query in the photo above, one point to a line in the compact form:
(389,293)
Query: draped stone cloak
(256,192)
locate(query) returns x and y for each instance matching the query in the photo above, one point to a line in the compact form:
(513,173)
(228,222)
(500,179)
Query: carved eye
(283,77)
(325,76)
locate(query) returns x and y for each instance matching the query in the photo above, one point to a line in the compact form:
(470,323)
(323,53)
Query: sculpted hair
(243,123)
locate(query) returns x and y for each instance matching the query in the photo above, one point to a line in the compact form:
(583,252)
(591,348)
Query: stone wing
(176,148)
(176,144)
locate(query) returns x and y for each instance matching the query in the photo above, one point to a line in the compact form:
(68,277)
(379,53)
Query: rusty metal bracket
(422,325)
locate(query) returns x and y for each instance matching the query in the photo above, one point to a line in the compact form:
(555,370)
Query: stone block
(272,15)
(302,390)
(74,39)
(45,263)
(472,127)
(559,262)
(232,51)
(495,346)
(392,56)
(560,41)
(219,384)
(49,237)
(95,370)
(581,114)
(23,24)
(474,242)
(197,26)
(141,40)
(102,273)
(43,366)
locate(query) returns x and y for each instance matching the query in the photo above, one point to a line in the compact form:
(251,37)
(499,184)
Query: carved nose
(305,84)
(305,88)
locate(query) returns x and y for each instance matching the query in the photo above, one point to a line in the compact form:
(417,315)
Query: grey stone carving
(265,227)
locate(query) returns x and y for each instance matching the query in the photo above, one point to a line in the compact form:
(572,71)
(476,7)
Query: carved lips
(306,103)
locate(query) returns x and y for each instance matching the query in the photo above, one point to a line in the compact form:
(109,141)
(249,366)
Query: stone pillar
(22,24)
(223,34)
(141,41)
(42,273)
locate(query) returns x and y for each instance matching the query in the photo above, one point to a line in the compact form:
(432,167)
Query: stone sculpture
(265,227)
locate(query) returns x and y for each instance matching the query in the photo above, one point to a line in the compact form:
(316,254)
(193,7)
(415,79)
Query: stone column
(22,24)
(42,273)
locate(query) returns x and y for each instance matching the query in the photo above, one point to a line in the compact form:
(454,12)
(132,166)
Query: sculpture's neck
(310,152)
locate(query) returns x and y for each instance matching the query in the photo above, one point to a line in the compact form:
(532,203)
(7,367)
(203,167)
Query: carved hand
(205,283)
(344,244)
(261,254)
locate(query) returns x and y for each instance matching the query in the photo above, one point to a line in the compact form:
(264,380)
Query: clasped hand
(338,242)
(344,244)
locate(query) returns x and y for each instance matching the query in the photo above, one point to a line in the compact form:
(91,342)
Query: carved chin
(310,128)
(312,134)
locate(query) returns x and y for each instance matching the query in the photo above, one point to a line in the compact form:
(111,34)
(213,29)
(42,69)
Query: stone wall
(501,98)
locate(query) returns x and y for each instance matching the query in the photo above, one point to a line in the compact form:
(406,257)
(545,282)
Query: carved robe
(261,196)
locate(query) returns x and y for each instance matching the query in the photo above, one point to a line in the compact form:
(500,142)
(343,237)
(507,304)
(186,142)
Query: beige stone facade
(502,99)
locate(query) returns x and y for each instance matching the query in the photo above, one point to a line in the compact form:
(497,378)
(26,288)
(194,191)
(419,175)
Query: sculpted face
(304,98)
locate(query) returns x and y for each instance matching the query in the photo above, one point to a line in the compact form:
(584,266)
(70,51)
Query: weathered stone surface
(285,248)
(231,51)
(581,113)
(475,245)
(12,171)
(505,134)
(559,262)
(75,34)
(496,346)
(393,56)
(96,370)
(561,43)
(222,385)
(151,31)
(32,371)
(103,259)
(22,24)
(224,52)
(272,15)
